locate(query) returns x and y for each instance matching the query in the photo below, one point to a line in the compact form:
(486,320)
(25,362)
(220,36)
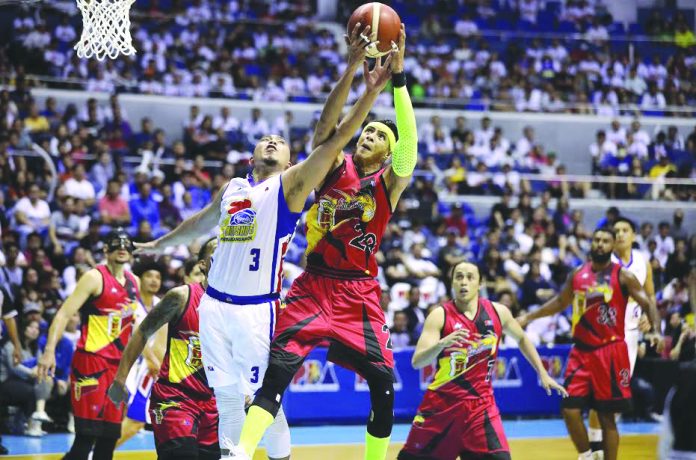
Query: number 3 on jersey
(255,255)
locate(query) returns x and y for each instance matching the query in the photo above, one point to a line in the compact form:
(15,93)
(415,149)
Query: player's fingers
(387,62)
(355,32)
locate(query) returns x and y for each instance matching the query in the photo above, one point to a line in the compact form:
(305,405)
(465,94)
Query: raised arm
(514,330)
(556,304)
(405,153)
(170,307)
(90,284)
(197,225)
(301,179)
(339,94)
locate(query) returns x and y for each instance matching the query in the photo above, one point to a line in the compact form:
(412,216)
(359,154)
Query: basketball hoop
(105,29)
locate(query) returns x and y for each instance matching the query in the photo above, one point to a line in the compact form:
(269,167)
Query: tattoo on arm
(165,311)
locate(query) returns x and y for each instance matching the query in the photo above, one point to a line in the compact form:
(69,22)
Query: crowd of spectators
(473,53)
(525,247)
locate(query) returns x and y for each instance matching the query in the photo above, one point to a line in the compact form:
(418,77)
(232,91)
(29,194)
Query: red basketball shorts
(95,414)
(471,429)
(344,313)
(599,379)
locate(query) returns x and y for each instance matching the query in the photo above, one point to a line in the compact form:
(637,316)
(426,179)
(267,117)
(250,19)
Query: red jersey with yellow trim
(599,306)
(182,368)
(464,371)
(346,223)
(107,319)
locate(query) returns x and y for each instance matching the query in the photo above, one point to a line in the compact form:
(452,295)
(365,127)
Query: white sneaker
(234,452)
(34,429)
(41,416)
(598,455)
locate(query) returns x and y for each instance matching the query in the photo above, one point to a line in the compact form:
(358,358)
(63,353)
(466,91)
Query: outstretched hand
(550,384)
(149,248)
(377,78)
(357,44)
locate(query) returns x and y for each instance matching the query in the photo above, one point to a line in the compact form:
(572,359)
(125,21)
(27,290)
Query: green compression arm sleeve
(405,153)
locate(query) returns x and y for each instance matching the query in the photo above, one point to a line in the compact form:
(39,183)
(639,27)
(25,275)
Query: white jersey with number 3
(638,266)
(256,227)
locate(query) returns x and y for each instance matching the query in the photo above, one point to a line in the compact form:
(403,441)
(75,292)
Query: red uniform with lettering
(458,416)
(182,406)
(106,327)
(337,297)
(598,372)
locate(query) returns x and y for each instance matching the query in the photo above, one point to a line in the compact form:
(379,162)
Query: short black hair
(140,268)
(627,221)
(188,266)
(203,251)
(391,125)
(605,230)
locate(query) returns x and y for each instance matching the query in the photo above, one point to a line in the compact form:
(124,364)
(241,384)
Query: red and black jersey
(107,319)
(182,370)
(464,371)
(599,306)
(346,223)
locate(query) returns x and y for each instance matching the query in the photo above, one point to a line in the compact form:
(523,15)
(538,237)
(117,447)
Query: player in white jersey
(257,217)
(143,374)
(634,261)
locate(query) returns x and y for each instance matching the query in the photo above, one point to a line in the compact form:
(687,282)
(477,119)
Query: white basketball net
(106,29)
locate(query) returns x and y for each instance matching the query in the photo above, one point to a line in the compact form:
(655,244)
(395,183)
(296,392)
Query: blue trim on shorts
(270,326)
(241,300)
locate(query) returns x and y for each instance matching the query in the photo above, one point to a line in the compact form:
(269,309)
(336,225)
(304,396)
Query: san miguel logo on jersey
(240,223)
(193,359)
(591,297)
(333,211)
(461,359)
(184,356)
(105,329)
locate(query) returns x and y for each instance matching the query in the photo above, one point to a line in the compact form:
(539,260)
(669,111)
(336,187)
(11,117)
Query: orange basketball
(384,23)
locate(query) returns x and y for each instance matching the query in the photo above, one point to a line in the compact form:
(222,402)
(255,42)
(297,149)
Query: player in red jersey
(337,297)
(182,406)
(598,373)
(458,416)
(106,299)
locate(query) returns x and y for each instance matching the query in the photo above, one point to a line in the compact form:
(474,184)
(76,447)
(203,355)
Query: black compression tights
(82,446)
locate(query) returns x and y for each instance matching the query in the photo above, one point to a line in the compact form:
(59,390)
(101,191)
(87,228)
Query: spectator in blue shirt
(144,207)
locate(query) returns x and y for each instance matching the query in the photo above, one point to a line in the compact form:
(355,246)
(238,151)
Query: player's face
(118,251)
(151,281)
(272,151)
(373,146)
(465,282)
(602,247)
(624,235)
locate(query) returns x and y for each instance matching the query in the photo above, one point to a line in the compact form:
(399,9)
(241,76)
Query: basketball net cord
(106,29)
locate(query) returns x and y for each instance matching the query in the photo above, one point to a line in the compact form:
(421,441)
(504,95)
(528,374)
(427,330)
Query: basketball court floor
(529,440)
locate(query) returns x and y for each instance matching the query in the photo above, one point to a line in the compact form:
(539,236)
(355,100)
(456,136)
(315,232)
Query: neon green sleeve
(405,153)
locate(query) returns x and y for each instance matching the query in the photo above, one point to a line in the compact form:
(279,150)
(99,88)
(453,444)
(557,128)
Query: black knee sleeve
(281,368)
(382,398)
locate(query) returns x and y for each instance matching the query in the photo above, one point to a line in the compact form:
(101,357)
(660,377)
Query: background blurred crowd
(525,246)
